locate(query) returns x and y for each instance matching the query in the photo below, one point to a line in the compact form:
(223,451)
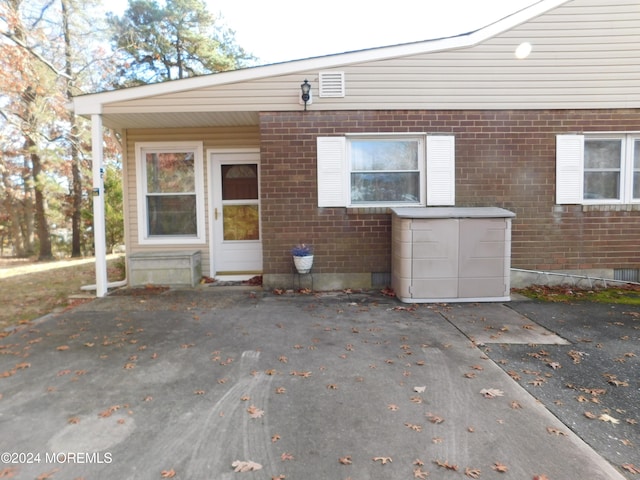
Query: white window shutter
(569,169)
(441,181)
(331,171)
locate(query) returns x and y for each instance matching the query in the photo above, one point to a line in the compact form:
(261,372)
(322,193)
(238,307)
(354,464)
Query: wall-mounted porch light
(306,93)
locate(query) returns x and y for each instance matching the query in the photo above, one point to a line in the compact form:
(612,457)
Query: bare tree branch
(20,43)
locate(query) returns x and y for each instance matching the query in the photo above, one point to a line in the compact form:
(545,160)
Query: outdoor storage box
(165,268)
(451,254)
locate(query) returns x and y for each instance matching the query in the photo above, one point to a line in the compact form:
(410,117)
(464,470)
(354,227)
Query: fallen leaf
(8,472)
(555,431)
(589,415)
(109,411)
(280,390)
(608,418)
(415,428)
(393,407)
(419,389)
(515,405)
(242,466)
(255,412)
(630,467)
(286,456)
(45,475)
(383,460)
(168,473)
(275,438)
(435,418)
(419,473)
(62,348)
(500,467)
(472,472)
(446,465)
(345,460)
(491,392)
(554,365)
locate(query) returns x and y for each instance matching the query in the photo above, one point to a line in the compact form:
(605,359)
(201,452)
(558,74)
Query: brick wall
(503,158)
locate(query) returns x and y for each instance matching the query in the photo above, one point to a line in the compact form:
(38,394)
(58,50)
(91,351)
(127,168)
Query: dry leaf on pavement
(472,472)
(491,392)
(500,467)
(242,466)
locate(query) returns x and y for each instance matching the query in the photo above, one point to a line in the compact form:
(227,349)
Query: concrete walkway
(184,384)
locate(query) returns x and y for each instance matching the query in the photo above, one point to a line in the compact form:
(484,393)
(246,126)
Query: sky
(283,30)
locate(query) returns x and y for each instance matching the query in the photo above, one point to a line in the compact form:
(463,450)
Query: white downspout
(99,230)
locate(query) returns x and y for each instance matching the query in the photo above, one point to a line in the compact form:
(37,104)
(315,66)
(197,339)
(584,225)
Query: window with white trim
(598,169)
(170,193)
(386,170)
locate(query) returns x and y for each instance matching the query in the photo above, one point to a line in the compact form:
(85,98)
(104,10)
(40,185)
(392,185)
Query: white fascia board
(92,103)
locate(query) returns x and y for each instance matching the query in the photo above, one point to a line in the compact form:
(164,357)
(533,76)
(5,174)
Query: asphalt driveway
(195,384)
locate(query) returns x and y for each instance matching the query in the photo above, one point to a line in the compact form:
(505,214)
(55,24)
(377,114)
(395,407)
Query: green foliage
(178,40)
(114,209)
(628,294)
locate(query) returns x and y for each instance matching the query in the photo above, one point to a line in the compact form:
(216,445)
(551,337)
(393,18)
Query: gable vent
(331,84)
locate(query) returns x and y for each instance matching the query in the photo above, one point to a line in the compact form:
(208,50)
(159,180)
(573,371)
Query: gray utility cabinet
(451,254)
(165,268)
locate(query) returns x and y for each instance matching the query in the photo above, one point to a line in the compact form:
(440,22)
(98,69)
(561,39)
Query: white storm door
(235,214)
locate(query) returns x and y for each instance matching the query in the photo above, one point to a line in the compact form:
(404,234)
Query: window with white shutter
(598,169)
(386,170)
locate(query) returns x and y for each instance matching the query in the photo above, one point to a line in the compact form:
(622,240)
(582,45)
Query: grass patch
(30,289)
(625,294)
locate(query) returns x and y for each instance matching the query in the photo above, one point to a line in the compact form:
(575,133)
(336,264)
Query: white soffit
(180,119)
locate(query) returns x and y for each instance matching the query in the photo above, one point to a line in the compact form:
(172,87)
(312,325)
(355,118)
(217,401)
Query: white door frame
(212,184)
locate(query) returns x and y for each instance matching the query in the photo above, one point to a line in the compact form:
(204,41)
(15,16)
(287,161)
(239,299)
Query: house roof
(131,107)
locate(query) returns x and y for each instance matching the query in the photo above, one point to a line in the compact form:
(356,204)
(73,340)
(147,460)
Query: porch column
(99,230)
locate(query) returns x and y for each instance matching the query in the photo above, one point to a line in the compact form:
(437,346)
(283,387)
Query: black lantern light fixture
(306,92)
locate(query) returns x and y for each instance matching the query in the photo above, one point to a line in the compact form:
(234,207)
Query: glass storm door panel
(236,214)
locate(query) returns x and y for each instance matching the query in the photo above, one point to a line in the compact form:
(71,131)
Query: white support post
(99,230)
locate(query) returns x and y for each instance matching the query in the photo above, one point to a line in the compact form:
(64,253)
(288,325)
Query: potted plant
(303,257)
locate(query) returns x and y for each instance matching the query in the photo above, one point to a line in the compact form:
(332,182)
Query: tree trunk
(76,174)
(42,225)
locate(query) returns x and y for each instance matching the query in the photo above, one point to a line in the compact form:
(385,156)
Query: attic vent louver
(331,84)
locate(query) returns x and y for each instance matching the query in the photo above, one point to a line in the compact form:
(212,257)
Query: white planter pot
(303,264)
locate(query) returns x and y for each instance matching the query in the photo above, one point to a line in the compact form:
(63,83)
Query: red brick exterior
(503,159)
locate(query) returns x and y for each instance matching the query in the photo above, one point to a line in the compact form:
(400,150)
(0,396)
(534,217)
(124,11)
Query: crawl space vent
(331,84)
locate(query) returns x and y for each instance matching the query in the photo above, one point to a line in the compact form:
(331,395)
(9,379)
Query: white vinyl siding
(437,177)
(584,56)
